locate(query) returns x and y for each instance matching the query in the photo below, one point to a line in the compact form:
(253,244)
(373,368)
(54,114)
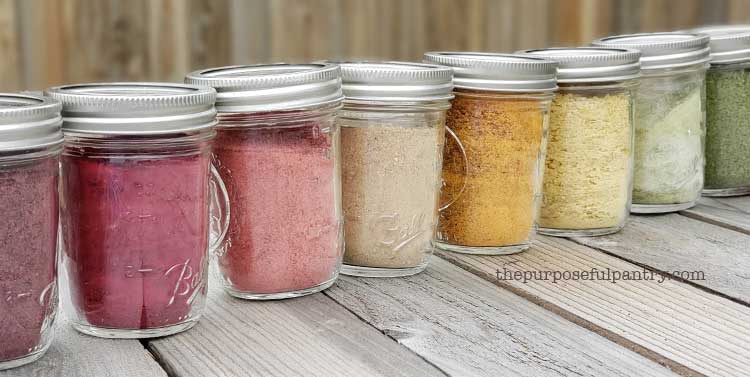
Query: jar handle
(218,211)
(466,169)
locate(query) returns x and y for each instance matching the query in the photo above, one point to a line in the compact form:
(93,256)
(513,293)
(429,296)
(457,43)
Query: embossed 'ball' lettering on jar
(491,175)
(30,145)
(278,152)
(141,206)
(392,132)
(670,119)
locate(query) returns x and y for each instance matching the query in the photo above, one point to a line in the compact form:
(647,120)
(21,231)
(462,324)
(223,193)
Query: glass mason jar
(492,175)
(30,144)
(137,187)
(728,111)
(670,119)
(392,145)
(278,152)
(589,163)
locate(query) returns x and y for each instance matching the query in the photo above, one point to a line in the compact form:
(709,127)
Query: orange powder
(494,198)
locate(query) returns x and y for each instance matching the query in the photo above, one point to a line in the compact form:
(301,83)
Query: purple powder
(28,242)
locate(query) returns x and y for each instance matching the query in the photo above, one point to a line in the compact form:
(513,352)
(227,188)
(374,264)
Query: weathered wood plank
(310,336)
(687,329)
(76,355)
(210,29)
(106,40)
(10,70)
(674,243)
(468,327)
(730,213)
(43,46)
(250,31)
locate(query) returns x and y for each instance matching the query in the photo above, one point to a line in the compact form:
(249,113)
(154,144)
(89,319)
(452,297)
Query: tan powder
(390,178)
(588,167)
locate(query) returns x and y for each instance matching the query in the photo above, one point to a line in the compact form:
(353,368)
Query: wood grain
(50,42)
(310,336)
(674,243)
(468,327)
(10,70)
(685,328)
(76,355)
(730,213)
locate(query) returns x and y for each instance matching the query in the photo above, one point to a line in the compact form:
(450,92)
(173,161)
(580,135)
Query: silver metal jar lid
(591,64)
(663,50)
(395,81)
(497,72)
(29,122)
(271,87)
(729,43)
(135,108)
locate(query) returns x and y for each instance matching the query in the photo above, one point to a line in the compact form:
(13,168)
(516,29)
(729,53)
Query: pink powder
(136,236)
(285,231)
(28,242)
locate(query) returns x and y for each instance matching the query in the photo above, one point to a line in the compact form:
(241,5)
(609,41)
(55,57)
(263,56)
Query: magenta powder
(136,238)
(28,242)
(285,231)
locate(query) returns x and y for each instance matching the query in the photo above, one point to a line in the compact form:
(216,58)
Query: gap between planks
(688,330)
(466,326)
(731,212)
(311,335)
(673,244)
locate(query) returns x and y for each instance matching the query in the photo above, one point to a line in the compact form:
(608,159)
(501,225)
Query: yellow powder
(588,167)
(502,138)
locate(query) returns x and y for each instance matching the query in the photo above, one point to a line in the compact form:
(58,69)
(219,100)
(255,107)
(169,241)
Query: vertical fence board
(209,33)
(250,40)
(48,42)
(9,47)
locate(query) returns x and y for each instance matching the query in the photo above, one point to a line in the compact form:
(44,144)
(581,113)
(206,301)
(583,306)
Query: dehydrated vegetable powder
(727,128)
(494,202)
(390,179)
(668,140)
(28,244)
(588,164)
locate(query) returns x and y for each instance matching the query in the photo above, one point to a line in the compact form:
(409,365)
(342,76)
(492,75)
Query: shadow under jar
(278,152)
(30,144)
(669,119)
(492,170)
(137,188)
(728,111)
(392,132)
(588,167)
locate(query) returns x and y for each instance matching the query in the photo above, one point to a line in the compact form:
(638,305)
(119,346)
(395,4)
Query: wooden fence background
(49,42)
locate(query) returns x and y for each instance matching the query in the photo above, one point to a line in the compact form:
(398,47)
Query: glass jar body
(669,140)
(28,258)
(589,160)
(492,177)
(284,181)
(135,225)
(727,130)
(391,159)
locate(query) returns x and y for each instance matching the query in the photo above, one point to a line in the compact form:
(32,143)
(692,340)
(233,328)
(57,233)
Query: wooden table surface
(458,319)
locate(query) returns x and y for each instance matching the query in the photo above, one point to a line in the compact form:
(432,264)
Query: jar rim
(29,122)
(663,50)
(394,81)
(591,64)
(270,87)
(135,108)
(497,72)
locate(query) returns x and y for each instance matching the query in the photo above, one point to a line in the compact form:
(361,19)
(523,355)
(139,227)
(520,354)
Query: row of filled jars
(271,167)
